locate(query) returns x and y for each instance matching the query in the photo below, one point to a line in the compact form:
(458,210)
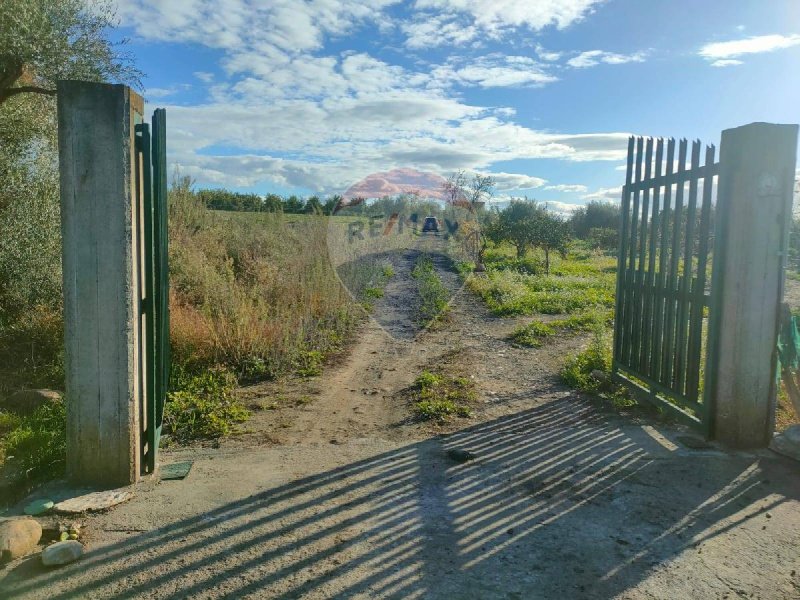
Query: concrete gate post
(754,211)
(99,208)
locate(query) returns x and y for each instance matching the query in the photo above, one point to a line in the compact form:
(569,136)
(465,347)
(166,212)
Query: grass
(433,295)
(579,282)
(439,397)
(590,371)
(537,332)
(36,444)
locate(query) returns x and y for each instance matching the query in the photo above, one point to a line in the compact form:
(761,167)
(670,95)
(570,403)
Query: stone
(787,442)
(24,402)
(18,537)
(93,502)
(62,553)
(460,456)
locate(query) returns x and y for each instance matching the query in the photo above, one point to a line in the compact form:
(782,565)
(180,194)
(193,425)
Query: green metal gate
(663,277)
(151,179)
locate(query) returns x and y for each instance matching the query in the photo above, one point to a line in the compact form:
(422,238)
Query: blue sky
(308,97)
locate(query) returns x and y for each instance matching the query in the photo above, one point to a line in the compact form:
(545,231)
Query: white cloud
(726,62)
(751,45)
(431,31)
(282,111)
(575,188)
(592,58)
(494,71)
(565,209)
(495,15)
(287,24)
(505,182)
(611,194)
(547,55)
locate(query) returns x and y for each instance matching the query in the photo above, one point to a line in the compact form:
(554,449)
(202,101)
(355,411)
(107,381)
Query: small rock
(461,456)
(18,537)
(24,402)
(787,442)
(768,515)
(37,507)
(62,553)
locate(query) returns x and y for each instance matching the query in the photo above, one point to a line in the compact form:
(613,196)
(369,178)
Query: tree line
(222,199)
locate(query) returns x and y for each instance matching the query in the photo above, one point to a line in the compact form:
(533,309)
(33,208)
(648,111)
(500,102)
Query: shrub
(203,406)
(38,442)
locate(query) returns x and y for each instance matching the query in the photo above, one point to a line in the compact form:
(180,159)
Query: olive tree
(526,224)
(42,41)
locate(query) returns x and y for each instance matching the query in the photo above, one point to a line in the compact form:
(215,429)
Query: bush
(203,406)
(38,442)
(577,372)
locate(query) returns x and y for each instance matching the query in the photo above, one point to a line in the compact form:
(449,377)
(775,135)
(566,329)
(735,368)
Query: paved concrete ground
(563,501)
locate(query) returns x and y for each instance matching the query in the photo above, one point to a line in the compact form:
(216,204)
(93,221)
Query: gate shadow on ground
(562,502)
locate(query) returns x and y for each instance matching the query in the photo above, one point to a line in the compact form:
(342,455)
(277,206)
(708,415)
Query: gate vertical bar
(622,254)
(658,334)
(647,335)
(641,298)
(672,281)
(631,268)
(699,289)
(682,355)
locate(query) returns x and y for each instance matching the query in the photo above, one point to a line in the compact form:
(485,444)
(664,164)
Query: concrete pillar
(754,209)
(101,290)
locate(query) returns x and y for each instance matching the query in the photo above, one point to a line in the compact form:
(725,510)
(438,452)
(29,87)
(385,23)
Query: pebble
(62,553)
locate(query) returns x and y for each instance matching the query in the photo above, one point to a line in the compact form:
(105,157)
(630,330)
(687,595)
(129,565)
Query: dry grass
(252,292)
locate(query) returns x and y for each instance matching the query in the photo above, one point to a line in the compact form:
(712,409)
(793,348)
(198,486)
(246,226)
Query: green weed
(536,332)
(590,372)
(308,363)
(37,443)
(438,396)
(204,406)
(433,295)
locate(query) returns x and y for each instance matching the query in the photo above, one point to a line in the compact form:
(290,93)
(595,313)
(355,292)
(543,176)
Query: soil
(333,491)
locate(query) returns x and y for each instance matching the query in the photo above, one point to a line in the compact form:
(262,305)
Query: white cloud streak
(717,51)
(575,188)
(592,58)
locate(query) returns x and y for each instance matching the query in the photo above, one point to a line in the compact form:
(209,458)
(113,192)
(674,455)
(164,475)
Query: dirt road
(333,492)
